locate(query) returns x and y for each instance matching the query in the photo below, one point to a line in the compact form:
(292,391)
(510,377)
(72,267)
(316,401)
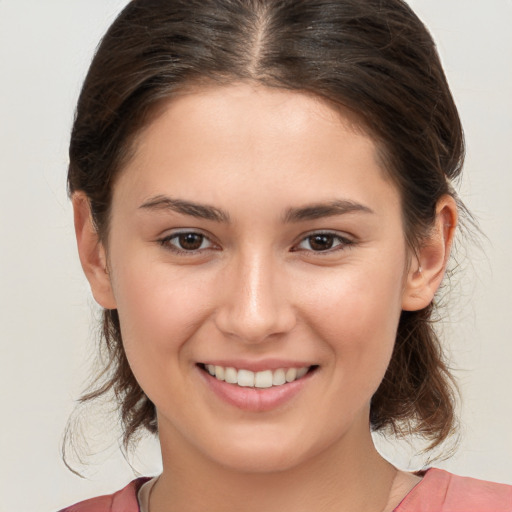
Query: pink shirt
(438,491)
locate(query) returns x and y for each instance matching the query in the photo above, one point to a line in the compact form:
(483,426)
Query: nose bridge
(255,305)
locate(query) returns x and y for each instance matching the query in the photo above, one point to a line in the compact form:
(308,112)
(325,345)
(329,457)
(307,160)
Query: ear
(92,253)
(428,265)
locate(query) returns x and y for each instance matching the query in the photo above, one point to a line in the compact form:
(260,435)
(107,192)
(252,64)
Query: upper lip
(257,366)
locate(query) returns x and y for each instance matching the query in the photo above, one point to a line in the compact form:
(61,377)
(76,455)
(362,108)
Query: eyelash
(343,243)
(167,242)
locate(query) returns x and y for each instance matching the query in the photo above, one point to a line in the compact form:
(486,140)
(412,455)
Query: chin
(265,451)
(261,460)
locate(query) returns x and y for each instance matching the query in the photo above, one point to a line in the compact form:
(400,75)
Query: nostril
(256,326)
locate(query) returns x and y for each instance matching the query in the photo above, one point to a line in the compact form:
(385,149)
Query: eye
(186,242)
(323,242)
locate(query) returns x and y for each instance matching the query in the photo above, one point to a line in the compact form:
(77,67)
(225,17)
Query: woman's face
(254,234)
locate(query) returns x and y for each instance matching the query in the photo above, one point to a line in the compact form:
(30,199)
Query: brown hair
(374,57)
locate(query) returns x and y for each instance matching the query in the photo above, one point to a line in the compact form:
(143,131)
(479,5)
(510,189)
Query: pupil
(191,241)
(321,242)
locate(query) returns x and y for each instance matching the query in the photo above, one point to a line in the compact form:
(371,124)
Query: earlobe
(92,252)
(428,265)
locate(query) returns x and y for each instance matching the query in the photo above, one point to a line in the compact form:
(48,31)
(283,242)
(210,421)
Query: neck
(350,476)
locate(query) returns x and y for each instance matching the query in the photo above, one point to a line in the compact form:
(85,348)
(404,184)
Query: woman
(263,209)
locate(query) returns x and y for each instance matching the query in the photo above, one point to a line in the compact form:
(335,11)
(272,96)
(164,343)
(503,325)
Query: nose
(255,305)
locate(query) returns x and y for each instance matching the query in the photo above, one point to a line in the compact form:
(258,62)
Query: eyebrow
(320,210)
(202,211)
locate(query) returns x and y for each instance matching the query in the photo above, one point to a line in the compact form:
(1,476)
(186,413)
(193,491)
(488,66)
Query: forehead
(251,105)
(207,139)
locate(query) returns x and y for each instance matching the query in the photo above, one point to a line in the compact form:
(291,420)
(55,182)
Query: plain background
(46,310)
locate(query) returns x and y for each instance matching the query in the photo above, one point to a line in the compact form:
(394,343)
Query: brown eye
(190,241)
(186,242)
(321,242)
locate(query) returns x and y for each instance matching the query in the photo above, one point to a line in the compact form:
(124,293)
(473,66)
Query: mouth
(261,380)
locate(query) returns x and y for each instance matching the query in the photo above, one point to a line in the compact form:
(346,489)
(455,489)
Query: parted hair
(372,57)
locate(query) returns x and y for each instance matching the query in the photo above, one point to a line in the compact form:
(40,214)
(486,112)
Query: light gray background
(46,310)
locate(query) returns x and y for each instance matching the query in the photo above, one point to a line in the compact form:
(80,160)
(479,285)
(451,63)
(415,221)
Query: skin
(259,289)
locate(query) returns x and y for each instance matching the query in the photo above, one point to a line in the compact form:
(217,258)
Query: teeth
(291,374)
(301,372)
(219,372)
(246,378)
(231,375)
(263,379)
(279,377)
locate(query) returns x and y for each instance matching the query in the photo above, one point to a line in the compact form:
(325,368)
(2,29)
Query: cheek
(159,311)
(358,301)
(357,313)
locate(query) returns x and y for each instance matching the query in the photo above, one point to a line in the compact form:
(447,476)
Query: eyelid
(344,239)
(165,241)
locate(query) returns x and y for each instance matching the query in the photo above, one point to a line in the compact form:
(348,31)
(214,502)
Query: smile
(262,379)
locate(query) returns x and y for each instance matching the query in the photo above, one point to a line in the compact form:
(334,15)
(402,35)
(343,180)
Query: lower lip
(255,399)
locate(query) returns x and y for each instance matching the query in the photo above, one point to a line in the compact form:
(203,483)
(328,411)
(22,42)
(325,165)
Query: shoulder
(440,491)
(124,500)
